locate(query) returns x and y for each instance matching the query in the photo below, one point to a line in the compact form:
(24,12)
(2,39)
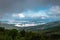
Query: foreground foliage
(14,34)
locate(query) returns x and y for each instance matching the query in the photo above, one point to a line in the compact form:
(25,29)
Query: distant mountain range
(32,28)
(44,26)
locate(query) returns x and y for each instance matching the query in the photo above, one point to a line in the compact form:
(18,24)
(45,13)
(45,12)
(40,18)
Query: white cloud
(43,14)
(11,21)
(43,17)
(19,15)
(21,21)
(55,10)
(40,14)
(16,22)
(18,25)
(27,25)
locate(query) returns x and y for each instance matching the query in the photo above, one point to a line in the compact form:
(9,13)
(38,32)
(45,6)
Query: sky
(29,12)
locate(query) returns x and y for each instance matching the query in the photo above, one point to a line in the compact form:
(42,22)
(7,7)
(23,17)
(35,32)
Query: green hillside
(44,26)
(49,31)
(53,30)
(32,28)
(14,34)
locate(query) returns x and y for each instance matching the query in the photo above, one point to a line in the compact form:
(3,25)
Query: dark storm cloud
(14,6)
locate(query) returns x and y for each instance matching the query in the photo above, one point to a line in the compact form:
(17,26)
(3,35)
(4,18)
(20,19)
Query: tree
(22,33)
(2,29)
(13,33)
(35,37)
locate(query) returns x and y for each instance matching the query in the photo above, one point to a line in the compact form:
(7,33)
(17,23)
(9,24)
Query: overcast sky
(16,10)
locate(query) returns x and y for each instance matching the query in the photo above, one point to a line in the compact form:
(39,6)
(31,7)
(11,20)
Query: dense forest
(14,34)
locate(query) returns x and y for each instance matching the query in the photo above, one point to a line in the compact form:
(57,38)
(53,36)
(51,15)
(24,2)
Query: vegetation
(13,34)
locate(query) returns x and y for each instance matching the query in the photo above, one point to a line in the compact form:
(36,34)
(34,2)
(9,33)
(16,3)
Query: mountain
(8,26)
(44,26)
(32,28)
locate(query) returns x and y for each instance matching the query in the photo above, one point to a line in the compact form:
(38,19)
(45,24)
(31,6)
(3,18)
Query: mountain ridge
(32,28)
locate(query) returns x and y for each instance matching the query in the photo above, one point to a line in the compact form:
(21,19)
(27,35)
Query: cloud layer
(21,11)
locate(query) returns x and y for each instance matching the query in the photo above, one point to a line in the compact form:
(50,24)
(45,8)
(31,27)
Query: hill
(44,26)
(32,28)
